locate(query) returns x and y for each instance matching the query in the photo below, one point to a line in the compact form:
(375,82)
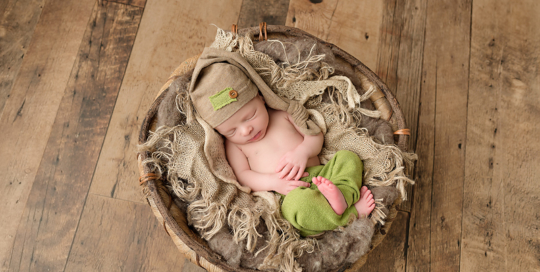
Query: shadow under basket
(173,218)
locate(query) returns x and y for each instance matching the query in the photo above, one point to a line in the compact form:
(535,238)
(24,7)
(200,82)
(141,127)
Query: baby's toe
(363,189)
(326,181)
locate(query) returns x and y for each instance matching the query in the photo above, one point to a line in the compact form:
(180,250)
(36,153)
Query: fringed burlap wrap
(193,156)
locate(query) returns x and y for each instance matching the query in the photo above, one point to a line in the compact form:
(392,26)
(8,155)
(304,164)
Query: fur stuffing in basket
(192,157)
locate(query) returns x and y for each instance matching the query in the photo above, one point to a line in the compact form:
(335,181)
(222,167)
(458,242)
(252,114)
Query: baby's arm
(293,163)
(254,180)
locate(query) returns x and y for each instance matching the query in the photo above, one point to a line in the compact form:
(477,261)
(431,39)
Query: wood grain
(313,18)
(390,254)
(351,25)
(444,77)
(17,24)
(501,206)
(389,41)
(119,235)
(253,12)
(136,3)
(399,61)
(29,112)
(58,194)
(191,267)
(184,30)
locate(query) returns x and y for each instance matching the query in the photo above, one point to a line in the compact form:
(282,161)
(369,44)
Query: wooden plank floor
(78,76)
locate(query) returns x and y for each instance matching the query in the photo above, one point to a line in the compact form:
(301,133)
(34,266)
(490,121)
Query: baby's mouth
(256,137)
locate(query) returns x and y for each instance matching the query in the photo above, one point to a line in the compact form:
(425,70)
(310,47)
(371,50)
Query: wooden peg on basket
(234,29)
(262,29)
(147,177)
(404,131)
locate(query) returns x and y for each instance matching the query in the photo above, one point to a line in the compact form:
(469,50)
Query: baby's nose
(247,130)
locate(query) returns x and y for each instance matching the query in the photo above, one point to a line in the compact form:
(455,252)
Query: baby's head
(248,124)
(226,98)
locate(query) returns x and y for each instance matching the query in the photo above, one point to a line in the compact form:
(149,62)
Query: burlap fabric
(215,204)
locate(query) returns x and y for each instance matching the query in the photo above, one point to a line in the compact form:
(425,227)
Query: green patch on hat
(223,98)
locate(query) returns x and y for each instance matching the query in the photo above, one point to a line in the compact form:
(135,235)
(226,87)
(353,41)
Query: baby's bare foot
(332,194)
(366,204)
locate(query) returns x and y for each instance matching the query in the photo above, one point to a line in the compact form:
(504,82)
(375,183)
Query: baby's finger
(298,183)
(306,174)
(300,175)
(280,165)
(302,168)
(286,170)
(293,173)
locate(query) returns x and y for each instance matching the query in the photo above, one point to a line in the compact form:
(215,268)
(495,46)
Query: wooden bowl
(174,219)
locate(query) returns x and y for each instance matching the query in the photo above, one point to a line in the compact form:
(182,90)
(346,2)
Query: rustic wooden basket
(174,219)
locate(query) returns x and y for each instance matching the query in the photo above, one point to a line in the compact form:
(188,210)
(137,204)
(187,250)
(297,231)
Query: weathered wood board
(136,3)
(17,23)
(501,207)
(399,62)
(272,12)
(170,32)
(389,43)
(436,219)
(58,194)
(342,23)
(119,235)
(30,111)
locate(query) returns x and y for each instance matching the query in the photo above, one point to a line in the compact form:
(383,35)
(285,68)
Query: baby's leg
(332,193)
(366,204)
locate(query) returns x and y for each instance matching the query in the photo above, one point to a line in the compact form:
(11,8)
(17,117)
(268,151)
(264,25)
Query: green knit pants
(309,211)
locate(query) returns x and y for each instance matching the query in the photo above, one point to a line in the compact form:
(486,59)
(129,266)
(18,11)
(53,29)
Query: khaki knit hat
(223,82)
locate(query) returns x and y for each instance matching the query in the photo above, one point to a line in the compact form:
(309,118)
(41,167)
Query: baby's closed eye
(252,116)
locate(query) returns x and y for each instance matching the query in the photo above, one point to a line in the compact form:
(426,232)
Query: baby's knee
(349,156)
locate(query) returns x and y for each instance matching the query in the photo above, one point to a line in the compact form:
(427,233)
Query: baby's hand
(292,165)
(283,186)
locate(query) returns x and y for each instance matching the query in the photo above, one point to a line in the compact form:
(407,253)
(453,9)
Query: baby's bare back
(281,137)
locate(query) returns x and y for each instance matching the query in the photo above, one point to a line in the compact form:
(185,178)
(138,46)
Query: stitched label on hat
(223,98)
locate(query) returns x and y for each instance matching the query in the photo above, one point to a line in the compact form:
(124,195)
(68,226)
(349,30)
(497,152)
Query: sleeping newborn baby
(268,152)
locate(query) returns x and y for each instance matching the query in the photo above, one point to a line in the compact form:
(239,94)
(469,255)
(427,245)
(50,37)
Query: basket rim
(152,187)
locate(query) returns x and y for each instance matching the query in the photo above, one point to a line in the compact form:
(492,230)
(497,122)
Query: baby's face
(247,125)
